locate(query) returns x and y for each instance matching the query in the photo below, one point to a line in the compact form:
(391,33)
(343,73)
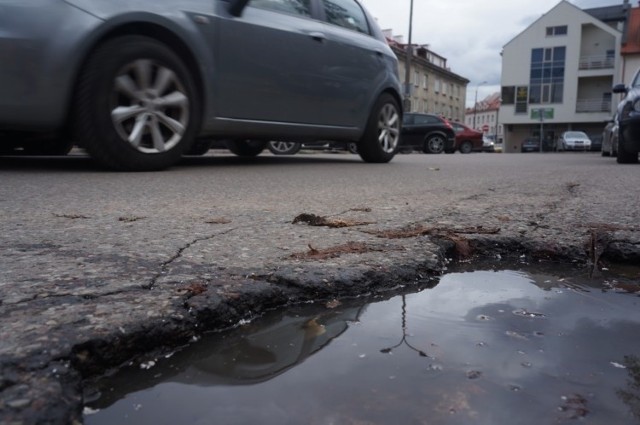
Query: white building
(557,75)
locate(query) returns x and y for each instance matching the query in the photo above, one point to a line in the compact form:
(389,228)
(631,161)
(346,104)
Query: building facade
(557,75)
(434,88)
(484,116)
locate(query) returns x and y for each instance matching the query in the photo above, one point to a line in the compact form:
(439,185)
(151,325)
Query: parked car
(136,83)
(292,148)
(596,142)
(627,122)
(574,141)
(609,137)
(530,144)
(428,133)
(488,145)
(467,139)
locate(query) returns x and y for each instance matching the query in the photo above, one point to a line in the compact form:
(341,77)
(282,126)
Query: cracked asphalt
(100,267)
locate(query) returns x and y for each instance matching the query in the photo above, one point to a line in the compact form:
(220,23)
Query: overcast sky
(469,33)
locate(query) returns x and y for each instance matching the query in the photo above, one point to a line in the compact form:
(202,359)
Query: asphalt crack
(164,267)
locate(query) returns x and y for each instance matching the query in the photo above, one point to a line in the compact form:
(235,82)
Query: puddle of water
(482,347)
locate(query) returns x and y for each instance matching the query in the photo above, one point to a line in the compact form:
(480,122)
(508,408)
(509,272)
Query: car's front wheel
(466,147)
(381,137)
(246,148)
(434,144)
(284,148)
(136,105)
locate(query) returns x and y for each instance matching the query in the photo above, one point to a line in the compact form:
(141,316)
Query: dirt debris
(316,220)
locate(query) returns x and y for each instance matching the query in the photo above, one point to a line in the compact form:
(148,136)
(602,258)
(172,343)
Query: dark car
(427,132)
(530,144)
(467,139)
(140,83)
(627,122)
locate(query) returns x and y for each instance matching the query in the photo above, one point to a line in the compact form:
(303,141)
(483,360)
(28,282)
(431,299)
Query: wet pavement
(514,344)
(100,268)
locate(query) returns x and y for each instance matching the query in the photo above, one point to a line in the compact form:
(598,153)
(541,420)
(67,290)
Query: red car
(467,139)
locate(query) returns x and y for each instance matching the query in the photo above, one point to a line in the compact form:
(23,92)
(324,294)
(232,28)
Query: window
(508,95)
(347,14)
(546,81)
(556,31)
(294,7)
(521,100)
(416,78)
(437,86)
(425,81)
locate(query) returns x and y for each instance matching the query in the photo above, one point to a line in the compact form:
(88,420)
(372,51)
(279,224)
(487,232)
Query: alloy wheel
(389,128)
(149,106)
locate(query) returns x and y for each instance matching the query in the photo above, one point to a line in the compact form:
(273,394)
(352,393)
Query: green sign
(547,113)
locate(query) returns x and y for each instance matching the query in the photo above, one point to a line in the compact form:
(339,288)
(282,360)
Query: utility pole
(407,66)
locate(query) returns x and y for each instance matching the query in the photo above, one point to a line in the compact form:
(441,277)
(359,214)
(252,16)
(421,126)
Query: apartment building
(557,75)
(433,86)
(484,116)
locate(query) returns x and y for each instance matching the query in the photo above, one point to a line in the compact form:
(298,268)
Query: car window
(407,119)
(294,7)
(425,119)
(347,14)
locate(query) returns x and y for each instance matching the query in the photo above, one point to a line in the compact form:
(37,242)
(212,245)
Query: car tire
(199,147)
(434,144)
(246,148)
(466,147)
(381,137)
(624,156)
(284,148)
(136,106)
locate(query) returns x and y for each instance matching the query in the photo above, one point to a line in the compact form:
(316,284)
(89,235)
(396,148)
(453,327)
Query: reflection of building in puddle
(257,354)
(249,354)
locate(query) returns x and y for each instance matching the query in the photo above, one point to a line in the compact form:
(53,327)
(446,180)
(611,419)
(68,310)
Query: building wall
(583,88)
(434,89)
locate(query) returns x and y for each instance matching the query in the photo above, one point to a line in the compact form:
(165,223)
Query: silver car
(140,83)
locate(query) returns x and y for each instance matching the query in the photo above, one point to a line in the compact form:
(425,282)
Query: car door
(269,63)
(353,64)
(413,130)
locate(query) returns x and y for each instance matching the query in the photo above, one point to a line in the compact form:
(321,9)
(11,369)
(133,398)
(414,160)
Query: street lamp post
(407,66)
(475,105)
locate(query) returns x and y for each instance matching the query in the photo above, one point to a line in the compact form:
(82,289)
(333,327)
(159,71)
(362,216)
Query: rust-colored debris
(415,231)
(336,251)
(462,248)
(195,288)
(316,220)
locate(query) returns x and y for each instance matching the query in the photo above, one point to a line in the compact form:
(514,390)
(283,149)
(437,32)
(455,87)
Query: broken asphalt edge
(47,387)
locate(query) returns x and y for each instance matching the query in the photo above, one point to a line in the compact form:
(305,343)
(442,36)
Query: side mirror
(620,88)
(237,6)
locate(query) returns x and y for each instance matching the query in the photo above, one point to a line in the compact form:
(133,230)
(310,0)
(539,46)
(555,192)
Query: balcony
(596,62)
(593,105)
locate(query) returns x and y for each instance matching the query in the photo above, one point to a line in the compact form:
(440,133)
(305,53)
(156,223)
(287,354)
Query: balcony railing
(596,62)
(593,105)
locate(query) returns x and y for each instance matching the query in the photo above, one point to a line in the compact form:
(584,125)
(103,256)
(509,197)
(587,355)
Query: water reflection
(493,347)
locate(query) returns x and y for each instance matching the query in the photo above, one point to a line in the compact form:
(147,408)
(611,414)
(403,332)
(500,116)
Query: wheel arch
(154,31)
